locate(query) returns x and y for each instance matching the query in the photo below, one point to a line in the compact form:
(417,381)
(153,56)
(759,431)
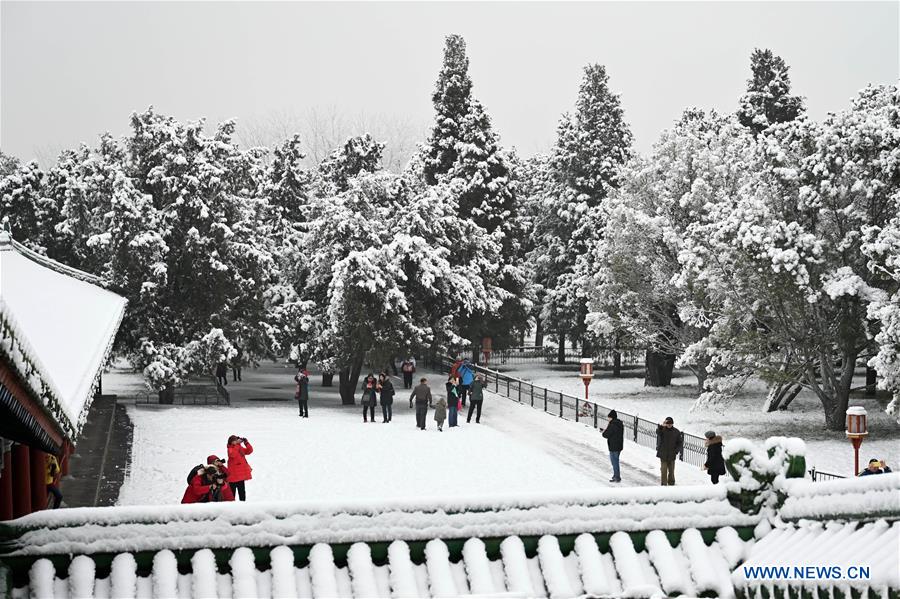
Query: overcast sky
(72,70)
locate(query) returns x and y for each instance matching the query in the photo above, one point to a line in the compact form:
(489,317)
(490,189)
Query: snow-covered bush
(760,471)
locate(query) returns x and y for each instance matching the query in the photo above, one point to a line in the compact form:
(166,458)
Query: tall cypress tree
(592,143)
(768,99)
(464,153)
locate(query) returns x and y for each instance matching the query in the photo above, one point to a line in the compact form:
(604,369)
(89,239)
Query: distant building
(57,326)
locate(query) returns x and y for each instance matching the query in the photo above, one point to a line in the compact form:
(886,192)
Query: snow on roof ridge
(50,263)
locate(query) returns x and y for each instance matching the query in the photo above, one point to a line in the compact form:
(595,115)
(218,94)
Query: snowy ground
(333,455)
(826,450)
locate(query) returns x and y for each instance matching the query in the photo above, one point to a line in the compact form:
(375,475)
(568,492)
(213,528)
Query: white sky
(72,70)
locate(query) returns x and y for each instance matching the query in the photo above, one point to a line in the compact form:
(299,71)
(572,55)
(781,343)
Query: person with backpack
(369,397)
(408,368)
(301,394)
(715,463)
(466,374)
(615,441)
(239,470)
(386,390)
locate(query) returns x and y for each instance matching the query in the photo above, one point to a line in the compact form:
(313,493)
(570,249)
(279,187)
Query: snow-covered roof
(616,569)
(781,558)
(58,326)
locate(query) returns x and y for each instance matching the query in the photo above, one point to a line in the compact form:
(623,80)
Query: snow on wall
(878,495)
(549,574)
(232,525)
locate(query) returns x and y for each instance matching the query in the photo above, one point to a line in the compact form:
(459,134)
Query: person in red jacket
(222,491)
(239,470)
(198,486)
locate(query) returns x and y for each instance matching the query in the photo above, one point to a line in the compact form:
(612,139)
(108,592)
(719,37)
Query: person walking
(302,392)
(222,373)
(440,413)
(453,400)
(615,442)
(715,463)
(369,397)
(386,388)
(408,368)
(476,399)
(422,396)
(236,364)
(466,374)
(239,470)
(668,446)
(875,466)
(52,474)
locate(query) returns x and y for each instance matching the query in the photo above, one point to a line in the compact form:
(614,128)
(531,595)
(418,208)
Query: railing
(194,395)
(818,475)
(603,356)
(569,407)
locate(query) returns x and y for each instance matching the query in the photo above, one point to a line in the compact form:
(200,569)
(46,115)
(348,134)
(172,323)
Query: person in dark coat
(222,373)
(715,463)
(476,399)
(422,396)
(302,392)
(875,466)
(369,397)
(615,441)
(453,400)
(408,368)
(236,360)
(386,389)
(668,447)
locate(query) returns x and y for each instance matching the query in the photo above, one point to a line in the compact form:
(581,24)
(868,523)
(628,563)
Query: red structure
(57,325)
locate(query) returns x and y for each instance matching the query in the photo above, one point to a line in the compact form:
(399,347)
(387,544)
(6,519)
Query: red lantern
(857,429)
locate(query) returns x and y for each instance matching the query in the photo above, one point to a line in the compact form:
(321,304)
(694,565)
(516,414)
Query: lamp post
(587,373)
(856,432)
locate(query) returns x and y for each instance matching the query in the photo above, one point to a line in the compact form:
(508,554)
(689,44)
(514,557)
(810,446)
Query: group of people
(374,390)
(235,365)
(218,480)
(669,444)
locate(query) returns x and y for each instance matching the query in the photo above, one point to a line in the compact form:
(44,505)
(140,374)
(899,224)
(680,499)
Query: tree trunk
(781,395)
(561,354)
(349,377)
(617,358)
(871,379)
(834,390)
(327,378)
(539,334)
(476,354)
(658,369)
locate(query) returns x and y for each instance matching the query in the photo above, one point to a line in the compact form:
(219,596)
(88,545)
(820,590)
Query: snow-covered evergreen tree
(591,146)
(451,99)
(768,99)
(286,185)
(358,154)
(28,211)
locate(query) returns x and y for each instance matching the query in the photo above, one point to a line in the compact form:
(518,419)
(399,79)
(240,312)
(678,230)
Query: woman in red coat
(238,468)
(198,486)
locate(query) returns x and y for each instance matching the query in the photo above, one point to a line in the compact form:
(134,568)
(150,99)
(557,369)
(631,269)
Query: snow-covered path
(334,455)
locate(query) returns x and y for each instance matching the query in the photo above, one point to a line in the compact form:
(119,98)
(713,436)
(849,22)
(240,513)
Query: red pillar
(21,481)
(6,487)
(38,460)
(68,450)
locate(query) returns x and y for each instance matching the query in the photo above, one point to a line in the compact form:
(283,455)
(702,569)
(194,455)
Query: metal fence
(577,409)
(603,356)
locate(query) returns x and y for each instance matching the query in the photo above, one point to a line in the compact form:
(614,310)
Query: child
(440,413)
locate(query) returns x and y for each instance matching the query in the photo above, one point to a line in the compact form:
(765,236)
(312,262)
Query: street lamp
(587,373)
(856,432)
